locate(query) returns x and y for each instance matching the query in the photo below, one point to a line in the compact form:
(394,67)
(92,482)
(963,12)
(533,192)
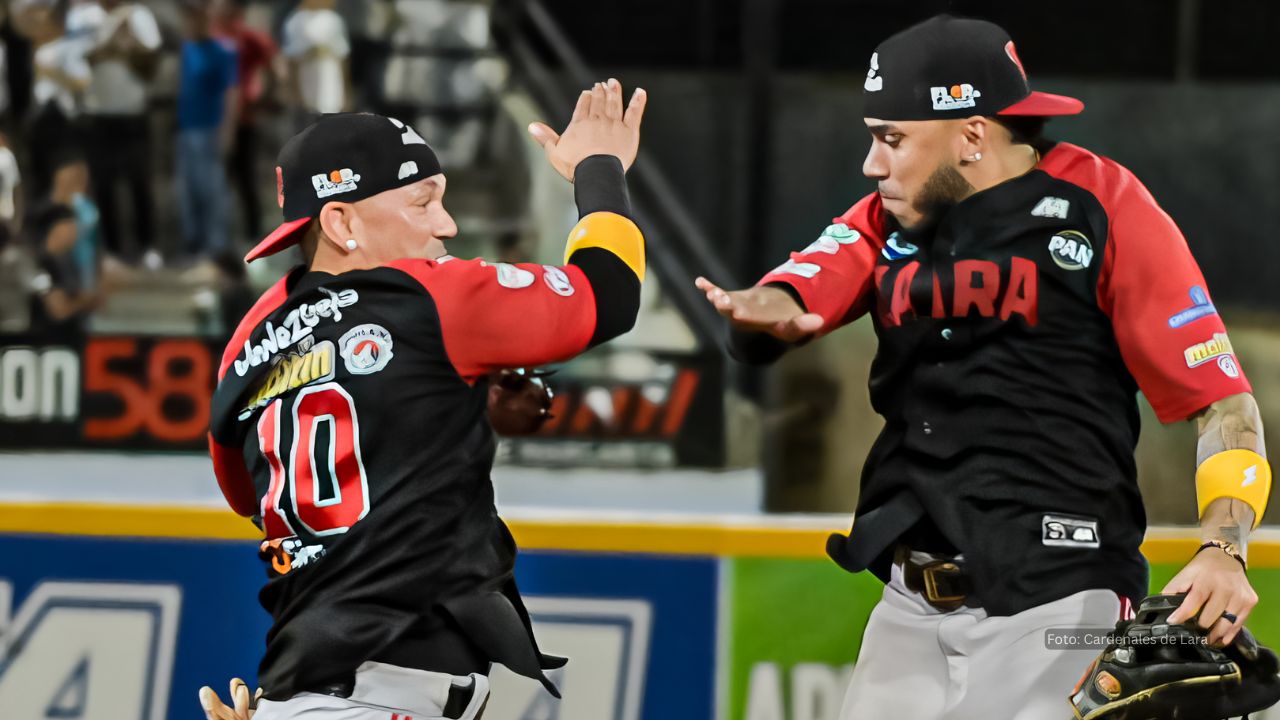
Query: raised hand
(599,126)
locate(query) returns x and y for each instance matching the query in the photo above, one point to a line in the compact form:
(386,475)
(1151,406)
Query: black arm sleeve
(617,291)
(600,185)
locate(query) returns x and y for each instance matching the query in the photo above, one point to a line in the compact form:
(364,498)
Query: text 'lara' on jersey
(1012,339)
(349,421)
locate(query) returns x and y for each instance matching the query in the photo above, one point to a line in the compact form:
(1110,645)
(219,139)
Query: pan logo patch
(1071,250)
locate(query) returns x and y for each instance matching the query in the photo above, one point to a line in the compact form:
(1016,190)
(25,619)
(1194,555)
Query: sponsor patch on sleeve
(1201,307)
(557,280)
(510,276)
(1200,353)
(831,240)
(791,267)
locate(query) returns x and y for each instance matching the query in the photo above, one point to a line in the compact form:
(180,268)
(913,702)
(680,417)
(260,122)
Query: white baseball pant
(921,663)
(383,692)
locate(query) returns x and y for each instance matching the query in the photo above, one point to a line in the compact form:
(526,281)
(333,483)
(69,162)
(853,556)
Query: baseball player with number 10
(1022,291)
(350,417)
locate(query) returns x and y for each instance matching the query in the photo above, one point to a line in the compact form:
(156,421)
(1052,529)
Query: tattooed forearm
(1230,424)
(1227,520)
(1232,534)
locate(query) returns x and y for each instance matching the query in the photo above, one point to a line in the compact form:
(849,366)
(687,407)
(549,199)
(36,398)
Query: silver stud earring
(351,245)
(976,157)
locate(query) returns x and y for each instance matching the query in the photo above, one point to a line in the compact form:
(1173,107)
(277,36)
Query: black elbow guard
(616,288)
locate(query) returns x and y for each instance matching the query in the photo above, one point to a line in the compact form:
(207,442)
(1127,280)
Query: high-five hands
(762,309)
(599,126)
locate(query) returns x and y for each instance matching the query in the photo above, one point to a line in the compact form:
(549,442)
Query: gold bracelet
(1229,548)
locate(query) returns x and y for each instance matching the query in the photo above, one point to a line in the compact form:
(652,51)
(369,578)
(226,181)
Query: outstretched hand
(762,309)
(599,126)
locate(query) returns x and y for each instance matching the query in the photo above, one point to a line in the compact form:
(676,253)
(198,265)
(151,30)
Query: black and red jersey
(349,421)
(1012,338)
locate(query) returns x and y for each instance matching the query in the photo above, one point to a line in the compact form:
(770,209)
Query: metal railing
(678,248)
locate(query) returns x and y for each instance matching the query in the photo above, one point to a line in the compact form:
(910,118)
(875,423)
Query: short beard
(942,191)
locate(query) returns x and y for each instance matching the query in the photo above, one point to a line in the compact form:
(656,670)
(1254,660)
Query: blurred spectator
(17,63)
(4,61)
(61,77)
(84,18)
(71,188)
(235,296)
(207,99)
(18,283)
(123,58)
(10,182)
(258,66)
(369,27)
(315,41)
(60,307)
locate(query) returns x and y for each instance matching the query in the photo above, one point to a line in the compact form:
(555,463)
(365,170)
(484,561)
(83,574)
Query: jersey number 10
(321,409)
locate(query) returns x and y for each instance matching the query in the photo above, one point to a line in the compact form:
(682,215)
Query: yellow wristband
(612,232)
(1241,474)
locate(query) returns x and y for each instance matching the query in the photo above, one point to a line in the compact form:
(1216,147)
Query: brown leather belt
(944,583)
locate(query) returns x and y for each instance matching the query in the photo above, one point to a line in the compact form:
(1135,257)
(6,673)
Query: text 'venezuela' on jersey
(1012,340)
(349,421)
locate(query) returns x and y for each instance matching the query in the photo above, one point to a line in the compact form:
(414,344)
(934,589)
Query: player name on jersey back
(297,325)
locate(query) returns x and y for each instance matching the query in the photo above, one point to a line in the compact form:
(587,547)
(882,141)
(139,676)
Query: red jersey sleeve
(835,274)
(1170,335)
(499,315)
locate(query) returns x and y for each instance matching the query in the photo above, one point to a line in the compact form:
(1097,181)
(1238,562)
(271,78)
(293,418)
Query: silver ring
(1230,617)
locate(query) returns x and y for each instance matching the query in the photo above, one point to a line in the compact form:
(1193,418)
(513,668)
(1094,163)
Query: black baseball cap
(342,157)
(948,67)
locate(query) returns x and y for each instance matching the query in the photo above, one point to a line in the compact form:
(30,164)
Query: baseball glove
(519,401)
(1152,670)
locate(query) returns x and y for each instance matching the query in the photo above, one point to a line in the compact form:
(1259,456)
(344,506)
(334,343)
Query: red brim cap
(283,237)
(1043,104)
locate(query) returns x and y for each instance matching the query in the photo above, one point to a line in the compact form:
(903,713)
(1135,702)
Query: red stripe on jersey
(1147,278)
(272,299)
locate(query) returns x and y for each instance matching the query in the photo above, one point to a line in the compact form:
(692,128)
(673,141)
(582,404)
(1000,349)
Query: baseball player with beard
(1022,291)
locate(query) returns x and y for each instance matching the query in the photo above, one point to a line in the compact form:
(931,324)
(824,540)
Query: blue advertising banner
(109,629)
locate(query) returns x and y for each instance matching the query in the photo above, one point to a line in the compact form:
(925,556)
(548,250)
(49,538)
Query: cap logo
(954,97)
(408,168)
(409,136)
(280,186)
(337,181)
(874,82)
(1013,55)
